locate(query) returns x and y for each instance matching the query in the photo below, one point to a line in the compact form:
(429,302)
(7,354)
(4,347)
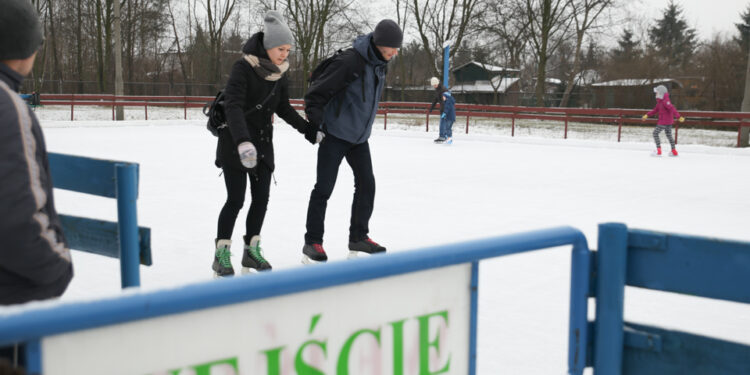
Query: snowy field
(485,184)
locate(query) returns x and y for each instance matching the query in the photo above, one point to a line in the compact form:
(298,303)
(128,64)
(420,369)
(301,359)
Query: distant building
(476,71)
(631,93)
(481,83)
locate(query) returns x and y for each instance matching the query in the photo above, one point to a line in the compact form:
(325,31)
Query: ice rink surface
(481,186)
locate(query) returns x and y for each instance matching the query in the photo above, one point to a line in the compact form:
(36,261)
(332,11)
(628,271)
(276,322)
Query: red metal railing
(113,101)
(617,117)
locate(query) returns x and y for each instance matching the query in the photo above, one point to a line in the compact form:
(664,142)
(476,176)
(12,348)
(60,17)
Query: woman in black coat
(257,88)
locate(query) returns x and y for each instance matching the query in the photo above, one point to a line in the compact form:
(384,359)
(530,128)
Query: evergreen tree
(674,41)
(628,49)
(744,28)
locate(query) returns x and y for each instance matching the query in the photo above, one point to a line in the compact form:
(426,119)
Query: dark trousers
(330,154)
(236,183)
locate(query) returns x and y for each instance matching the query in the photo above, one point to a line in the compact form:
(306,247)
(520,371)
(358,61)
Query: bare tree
(308,20)
(56,70)
(585,14)
(119,91)
(317,25)
(402,14)
(505,21)
(99,48)
(548,22)
(440,21)
(186,72)
(720,62)
(218,13)
(79,46)
(745,131)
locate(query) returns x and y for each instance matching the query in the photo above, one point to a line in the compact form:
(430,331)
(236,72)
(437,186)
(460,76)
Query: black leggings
(236,183)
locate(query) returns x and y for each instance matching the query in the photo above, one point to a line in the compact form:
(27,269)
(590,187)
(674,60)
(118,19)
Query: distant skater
(447,118)
(439,90)
(667,113)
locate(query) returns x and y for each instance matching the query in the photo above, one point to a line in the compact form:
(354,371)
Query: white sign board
(410,324)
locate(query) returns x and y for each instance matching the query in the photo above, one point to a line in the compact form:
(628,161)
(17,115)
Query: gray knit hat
(387,34)
(20,30)
(276,32)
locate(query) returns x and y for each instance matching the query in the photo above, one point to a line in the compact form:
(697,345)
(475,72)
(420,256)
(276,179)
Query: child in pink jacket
(667,113)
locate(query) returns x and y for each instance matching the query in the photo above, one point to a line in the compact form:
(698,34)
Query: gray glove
(248,155)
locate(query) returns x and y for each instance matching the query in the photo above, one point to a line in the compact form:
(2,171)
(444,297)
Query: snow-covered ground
(726,137)
(485,184)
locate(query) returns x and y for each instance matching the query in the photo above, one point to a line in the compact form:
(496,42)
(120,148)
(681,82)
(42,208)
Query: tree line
(186,47)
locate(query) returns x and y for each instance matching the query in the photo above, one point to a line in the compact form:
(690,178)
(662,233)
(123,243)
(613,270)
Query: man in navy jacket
(343,102)
(34,259)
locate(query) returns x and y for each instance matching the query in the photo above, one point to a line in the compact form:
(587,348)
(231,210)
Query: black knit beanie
(20,30)
(387,34)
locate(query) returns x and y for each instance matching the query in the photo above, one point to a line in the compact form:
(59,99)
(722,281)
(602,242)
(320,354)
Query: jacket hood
(660,91)
(664,99)
(254,46)
(363,45)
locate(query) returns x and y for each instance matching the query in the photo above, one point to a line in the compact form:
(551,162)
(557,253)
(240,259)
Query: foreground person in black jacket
(344,102)
(34,259)
(257,88)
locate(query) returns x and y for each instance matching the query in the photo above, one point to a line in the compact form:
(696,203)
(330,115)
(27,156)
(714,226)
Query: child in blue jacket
(447,117)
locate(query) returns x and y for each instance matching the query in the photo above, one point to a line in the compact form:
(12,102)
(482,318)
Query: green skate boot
(222,264)
(252,257)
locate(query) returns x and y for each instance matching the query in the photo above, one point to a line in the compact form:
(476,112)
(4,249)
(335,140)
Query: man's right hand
(312,134)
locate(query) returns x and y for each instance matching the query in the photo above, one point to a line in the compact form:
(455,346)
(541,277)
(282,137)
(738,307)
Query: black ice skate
(252,257)
(313,253)
(222,264)
(364,246)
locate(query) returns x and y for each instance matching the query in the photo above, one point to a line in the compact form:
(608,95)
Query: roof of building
(487,67)
(502,85)
(636,82)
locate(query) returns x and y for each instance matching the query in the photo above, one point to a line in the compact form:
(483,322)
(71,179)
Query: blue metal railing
(111,179)
(35,324)
(690,265)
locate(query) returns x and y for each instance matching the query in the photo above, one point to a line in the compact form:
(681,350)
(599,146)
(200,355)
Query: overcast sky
(706,16)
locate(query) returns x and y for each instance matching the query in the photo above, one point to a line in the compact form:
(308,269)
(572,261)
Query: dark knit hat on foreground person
(20,30)
(387,34)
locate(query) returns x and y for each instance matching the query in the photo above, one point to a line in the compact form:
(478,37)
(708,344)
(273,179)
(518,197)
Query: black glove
(311,133)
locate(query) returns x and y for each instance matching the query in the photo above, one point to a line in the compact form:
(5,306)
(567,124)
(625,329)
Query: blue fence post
(34,357)
(473,316)
(578,323)
(610,297)
(446,64)
(127,185)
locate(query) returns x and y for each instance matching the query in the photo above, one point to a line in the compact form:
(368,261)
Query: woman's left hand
(248,155)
